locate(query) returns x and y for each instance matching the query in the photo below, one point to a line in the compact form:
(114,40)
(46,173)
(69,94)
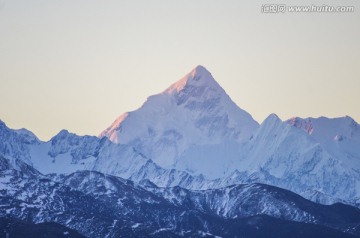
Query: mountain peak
(62,134)
(325,129)
(198,77)
(200,71)
(272,118)
(194,111)
(29,136)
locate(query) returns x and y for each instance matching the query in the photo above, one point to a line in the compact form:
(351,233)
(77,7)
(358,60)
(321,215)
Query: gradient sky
(79,64)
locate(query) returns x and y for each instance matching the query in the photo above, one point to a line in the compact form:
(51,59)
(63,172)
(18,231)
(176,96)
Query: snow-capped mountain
(189,162)
(192,135)
(66,153)
(179,129)
(339,136)
(291,159)
(14,143)
(188,127)
(284,156)
(100,205)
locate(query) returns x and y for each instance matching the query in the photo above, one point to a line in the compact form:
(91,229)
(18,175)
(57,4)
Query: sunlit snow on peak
(199,76)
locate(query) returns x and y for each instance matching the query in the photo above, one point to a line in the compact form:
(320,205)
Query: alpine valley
(188,163)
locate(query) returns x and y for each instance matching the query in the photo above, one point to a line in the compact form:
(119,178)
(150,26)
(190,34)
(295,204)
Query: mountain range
(193,164)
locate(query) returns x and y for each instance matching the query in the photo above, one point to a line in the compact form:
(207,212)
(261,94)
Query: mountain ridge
(100,205)
(187,136)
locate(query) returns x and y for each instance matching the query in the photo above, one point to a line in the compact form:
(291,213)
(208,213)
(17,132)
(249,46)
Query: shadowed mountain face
(99,205)
(14,228)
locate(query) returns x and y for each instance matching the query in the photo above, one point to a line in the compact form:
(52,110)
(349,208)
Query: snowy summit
(182,122)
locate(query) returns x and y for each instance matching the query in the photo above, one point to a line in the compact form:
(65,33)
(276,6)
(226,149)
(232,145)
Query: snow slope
(66,153)
(339,136)
(281,155)
(177,127)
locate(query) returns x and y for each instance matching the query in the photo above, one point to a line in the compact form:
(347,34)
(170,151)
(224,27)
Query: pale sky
(79,64)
